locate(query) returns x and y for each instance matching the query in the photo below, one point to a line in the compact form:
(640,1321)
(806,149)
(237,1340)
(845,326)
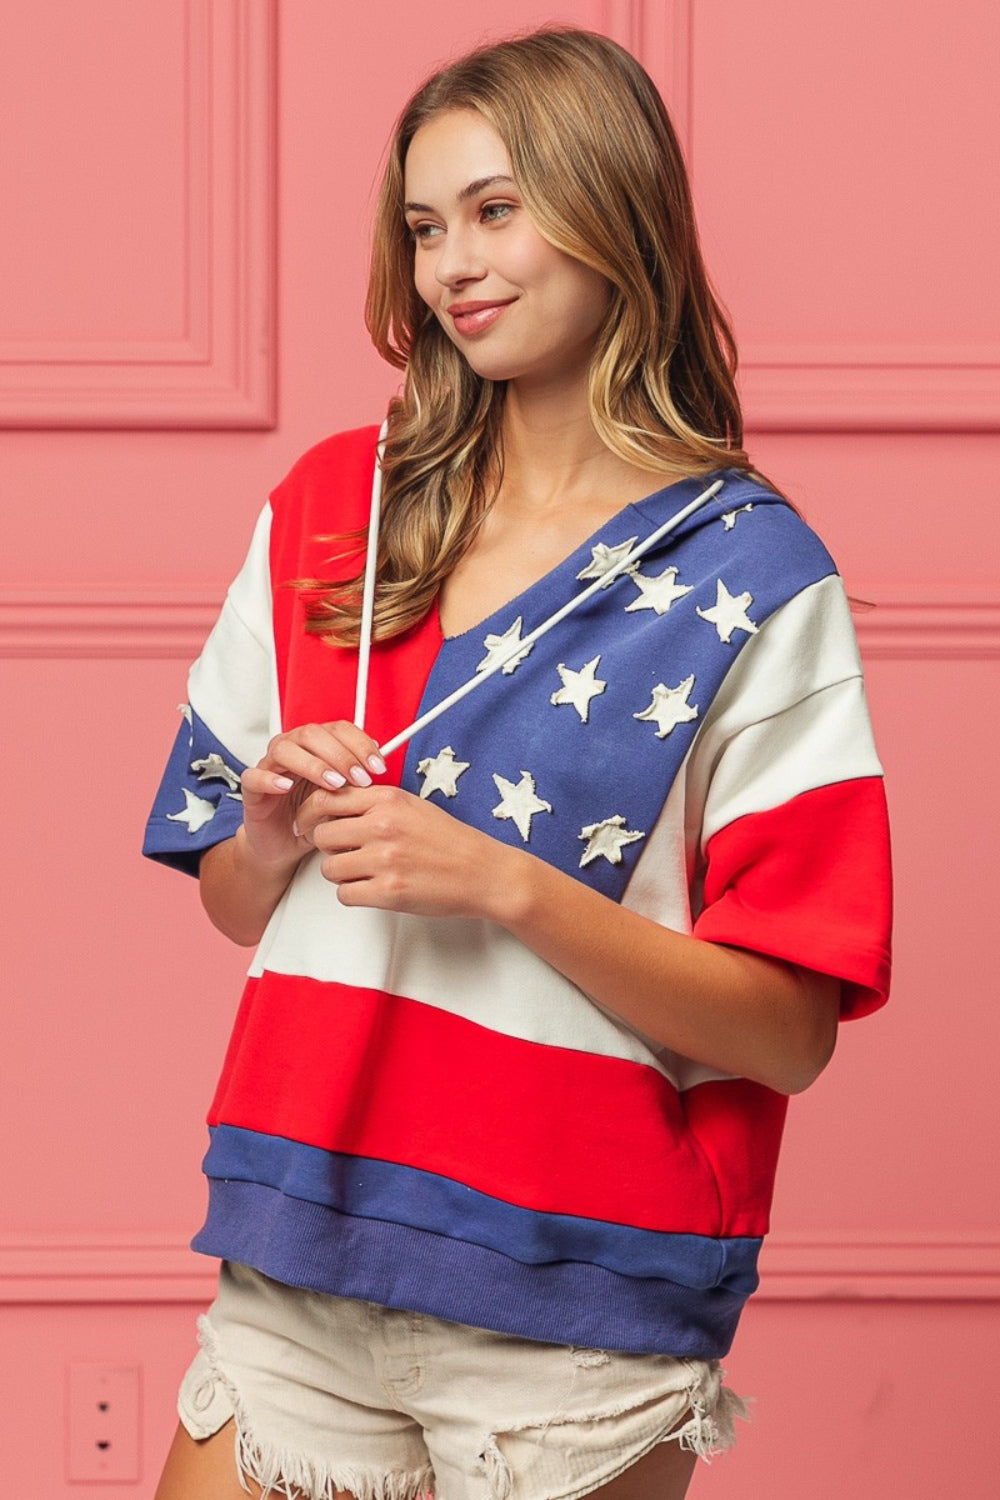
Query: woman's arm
(731,1009)
(740,1012)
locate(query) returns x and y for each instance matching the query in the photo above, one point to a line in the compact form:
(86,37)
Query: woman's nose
(459,259)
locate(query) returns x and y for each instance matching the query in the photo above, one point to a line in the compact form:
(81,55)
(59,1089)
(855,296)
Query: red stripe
(544,1127)
(809,882)
(328,494)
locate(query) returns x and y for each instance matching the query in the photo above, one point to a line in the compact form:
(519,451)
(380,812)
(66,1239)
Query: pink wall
(180,282)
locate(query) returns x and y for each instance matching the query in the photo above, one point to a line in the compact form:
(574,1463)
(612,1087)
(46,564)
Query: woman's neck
(553,455)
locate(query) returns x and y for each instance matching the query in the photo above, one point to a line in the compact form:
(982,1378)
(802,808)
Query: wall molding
(69,624)
(134,1267)
(817,388)
(218,369)
(908,629)
(660,35)
(907,1268)
(824,394)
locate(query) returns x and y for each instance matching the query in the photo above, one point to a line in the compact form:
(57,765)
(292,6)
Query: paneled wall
(186,188)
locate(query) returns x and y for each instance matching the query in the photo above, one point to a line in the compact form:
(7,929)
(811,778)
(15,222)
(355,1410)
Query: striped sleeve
(230,715)
(794,857)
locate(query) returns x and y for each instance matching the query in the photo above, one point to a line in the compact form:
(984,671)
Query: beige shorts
(330,1394)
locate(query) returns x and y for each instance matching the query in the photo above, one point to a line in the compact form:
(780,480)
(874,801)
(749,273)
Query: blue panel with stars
(571,749)
(199,802)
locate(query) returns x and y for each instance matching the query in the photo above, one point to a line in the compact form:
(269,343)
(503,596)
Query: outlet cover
(103,1423)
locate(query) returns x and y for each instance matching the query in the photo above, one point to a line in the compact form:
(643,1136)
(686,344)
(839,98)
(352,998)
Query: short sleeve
(229,717)
(794,845)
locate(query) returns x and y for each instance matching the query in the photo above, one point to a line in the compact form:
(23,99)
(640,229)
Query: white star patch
(656,593)
(519,802)
(214,768)
(185,710)
(197,812)
(729,613)
(579,687)
(441,772)
(607,839)
(497,647)
(670,707)
(603,558)
(729,516)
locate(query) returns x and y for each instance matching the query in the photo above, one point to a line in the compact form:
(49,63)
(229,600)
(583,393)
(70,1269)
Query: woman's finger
(331,756)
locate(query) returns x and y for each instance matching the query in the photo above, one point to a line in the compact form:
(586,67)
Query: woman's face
(516,307)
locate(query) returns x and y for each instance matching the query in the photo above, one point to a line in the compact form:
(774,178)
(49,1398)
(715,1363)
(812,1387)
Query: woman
(493,1147)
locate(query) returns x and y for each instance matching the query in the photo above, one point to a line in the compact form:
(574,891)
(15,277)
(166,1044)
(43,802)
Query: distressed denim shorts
(330,1394)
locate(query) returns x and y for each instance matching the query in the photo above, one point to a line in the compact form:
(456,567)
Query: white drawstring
(368,592)
(517,647)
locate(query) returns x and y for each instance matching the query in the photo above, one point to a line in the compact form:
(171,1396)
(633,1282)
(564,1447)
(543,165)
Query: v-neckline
(514,605)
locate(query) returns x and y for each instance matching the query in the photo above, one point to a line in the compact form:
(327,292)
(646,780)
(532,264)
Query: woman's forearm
(239,891)
(741,1012)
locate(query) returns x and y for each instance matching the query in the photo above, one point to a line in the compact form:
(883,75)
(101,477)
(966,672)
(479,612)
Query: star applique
(656,593)
(603,559)
(579,687)
(497,647)
(214,768)
(607,839)
(729,516)
(670,707)
(729,612)
(197,812)
(519,802)
(441,772)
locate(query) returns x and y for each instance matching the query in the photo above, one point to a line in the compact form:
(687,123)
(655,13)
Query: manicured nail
(334,778)
(376,764)
(359,776)
(284,783)
(295,830)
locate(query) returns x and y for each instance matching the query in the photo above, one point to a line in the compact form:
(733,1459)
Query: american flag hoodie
(419,1111)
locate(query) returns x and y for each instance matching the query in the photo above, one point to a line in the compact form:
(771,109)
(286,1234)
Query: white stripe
(473,969)
(233,686)
(790,717)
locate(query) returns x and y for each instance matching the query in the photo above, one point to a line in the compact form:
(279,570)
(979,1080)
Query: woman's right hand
(326,757)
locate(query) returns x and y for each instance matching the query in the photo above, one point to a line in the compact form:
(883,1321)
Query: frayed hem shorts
(330,1394)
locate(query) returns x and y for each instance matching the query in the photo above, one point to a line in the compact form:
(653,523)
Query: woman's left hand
(385,847)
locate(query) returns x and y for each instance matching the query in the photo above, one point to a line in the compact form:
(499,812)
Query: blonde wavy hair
(601,173)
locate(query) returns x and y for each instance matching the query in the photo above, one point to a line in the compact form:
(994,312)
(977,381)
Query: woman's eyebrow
(469,191)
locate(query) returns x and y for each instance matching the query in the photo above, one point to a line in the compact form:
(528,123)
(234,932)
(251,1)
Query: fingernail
(284,783)
(376,764)
(334,778)
(295,830)
(359,776)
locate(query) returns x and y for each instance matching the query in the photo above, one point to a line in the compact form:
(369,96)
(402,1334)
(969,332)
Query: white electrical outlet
(103,1423)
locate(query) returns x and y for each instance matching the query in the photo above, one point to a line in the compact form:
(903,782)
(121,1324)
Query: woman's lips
(471,318)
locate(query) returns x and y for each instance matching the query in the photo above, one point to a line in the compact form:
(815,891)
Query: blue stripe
(309,1245)
(366,1188)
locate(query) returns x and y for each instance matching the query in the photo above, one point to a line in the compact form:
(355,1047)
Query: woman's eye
(423,231)
(494,213)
